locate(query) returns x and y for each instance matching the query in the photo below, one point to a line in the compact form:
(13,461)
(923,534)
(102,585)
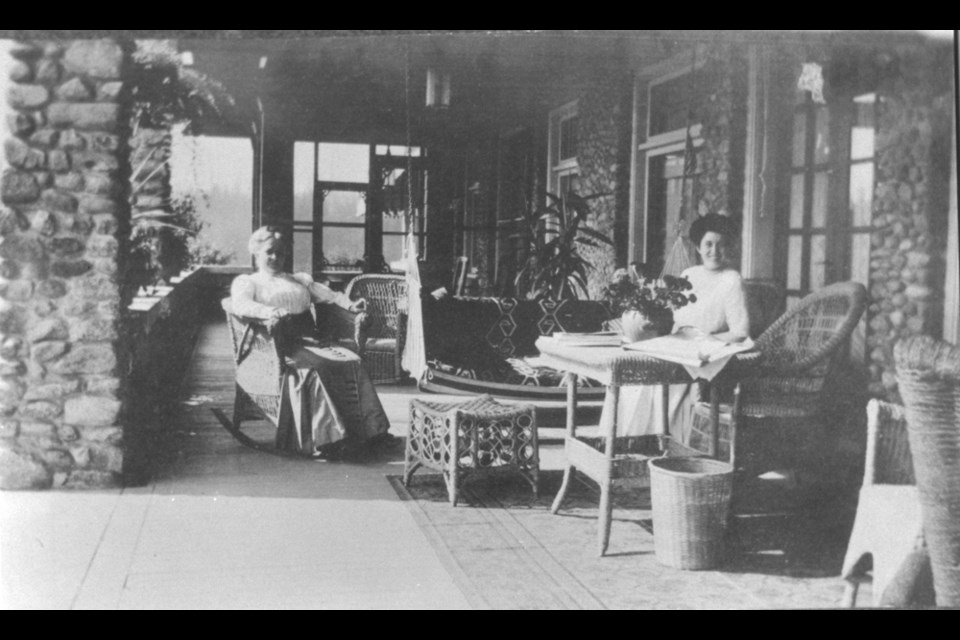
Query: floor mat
(506,550)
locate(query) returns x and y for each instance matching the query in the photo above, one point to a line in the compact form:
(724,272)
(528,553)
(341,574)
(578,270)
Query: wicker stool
(486,436)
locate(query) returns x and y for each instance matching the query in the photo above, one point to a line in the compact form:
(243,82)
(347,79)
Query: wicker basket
(928,373)
(691,503)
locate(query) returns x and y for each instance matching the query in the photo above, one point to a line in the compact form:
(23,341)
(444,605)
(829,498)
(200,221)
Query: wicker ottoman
(487,437)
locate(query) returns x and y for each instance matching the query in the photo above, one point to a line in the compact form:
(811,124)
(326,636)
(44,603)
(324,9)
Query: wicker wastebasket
(691,504)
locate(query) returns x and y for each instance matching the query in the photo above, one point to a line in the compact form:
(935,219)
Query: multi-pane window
(810,172)
(564,140)
(827,222)
(334,224)
(394,171)
(667,158)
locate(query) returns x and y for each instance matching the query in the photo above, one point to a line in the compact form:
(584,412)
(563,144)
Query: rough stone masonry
(59,295)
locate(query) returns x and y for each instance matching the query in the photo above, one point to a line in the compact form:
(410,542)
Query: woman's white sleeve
(322,293)
(243,293)
(738,319)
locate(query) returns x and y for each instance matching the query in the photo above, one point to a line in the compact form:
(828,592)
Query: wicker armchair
(887,525)
(781,406)
(928,375)
(260,366)
(382,337)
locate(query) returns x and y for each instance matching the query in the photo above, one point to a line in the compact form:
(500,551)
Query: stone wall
(721,109)
(604,159)
(60,306)
(909,211)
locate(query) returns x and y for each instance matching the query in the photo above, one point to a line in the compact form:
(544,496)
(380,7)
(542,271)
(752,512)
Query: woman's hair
(712,222)
(265,236)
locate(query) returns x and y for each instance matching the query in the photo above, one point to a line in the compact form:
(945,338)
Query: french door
(827,197)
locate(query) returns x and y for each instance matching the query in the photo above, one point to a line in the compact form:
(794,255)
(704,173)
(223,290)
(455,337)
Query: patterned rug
(507,551)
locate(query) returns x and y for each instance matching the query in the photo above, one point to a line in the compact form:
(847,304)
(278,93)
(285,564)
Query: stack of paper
(701,354)
(594,339)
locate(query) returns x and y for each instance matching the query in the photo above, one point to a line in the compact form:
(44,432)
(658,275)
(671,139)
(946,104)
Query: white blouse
(721,304)
(259,294)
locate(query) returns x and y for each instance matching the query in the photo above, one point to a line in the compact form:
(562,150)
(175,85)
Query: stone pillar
(603,155)
(909,212)
(63,212)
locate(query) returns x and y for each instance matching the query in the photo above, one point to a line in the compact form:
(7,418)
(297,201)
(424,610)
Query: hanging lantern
(438,88)
(811,79)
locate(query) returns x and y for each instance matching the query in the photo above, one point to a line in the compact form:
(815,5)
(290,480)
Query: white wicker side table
(478,436)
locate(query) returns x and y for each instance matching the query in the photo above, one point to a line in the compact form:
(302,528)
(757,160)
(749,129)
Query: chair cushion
(388,345)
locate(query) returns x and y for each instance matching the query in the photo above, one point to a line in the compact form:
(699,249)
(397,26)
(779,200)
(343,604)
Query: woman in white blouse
(329,403)
(720,309)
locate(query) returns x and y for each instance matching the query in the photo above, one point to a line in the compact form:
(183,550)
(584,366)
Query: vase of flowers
(646,304)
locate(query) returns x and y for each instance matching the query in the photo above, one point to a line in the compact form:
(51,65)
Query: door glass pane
(796,202)
(671,102)
(799,138)
(397,151)
(862,133)
(819,208)
(303,252)
(859,272)
(861,193)
(569,131)
(393,248)
(343,246)
(344,206)
(860,258)
(821,148)
(818,256)
(394,223)
(794,257)
(303,180)
(343,162)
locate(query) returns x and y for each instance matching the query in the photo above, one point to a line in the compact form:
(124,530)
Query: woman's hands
(276,316)
(358,305)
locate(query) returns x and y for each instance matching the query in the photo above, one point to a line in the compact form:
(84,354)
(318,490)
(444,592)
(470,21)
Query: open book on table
(690,347)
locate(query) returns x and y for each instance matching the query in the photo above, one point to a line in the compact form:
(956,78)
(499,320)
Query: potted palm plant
(556,231)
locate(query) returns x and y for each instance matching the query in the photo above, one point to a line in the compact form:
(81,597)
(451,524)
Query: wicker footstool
(487,437)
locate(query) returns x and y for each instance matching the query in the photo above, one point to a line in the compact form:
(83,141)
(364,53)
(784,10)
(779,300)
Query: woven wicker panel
(928,373)
(382,366)
(490,436)
(801,347)
(691,505)
(256,355)
(386,300)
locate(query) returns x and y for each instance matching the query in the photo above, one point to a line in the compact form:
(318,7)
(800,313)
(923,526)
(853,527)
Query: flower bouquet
(645,304)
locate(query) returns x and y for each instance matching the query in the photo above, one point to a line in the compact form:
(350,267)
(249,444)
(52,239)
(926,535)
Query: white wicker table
(612,461)
(477,436)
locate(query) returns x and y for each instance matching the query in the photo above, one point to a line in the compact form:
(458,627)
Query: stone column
(909,211)
(63,212)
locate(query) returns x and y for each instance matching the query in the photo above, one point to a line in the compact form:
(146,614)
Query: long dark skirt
(327,397)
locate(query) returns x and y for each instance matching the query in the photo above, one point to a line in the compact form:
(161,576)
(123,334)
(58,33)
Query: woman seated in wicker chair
(720,309)
(334,407)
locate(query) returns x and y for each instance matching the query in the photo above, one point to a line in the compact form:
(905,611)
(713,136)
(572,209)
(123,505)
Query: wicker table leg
(606,489)
(571,434)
